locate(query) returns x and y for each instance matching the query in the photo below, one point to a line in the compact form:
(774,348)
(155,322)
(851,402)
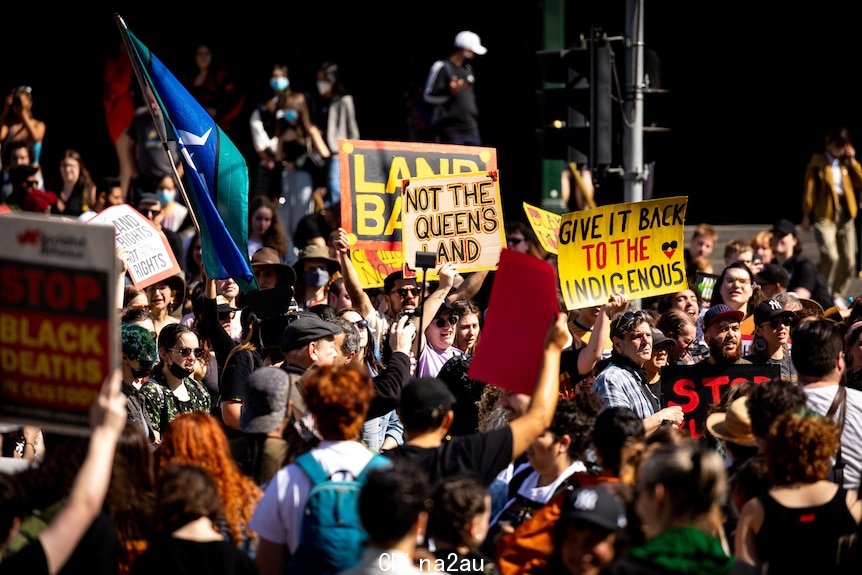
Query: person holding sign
(57,542)
(623,381)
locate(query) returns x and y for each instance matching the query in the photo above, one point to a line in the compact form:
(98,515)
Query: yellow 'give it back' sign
(634,249)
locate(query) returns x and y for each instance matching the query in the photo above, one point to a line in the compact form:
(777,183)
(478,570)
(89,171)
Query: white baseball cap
(467,40)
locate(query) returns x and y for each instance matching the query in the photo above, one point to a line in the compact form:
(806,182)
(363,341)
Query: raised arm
(469,287)
(544,402)
(108,418)
(592,353)
(358,296)
(436,299)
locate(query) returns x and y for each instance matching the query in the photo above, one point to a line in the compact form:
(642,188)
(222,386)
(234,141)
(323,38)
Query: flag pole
(157,121)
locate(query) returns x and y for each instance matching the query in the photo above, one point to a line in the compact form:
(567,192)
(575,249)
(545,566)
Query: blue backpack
(331,538)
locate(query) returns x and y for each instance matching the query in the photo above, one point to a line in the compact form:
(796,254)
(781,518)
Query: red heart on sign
(669,248)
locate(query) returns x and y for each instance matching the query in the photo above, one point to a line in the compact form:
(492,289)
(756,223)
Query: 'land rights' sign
(634,249)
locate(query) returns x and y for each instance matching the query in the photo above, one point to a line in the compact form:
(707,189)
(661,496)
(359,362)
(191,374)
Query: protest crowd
(518,413)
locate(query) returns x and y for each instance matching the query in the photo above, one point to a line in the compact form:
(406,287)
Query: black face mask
(179,371)
(141,372)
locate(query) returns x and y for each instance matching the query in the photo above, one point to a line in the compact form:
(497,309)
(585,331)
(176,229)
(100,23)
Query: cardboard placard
(634,249)
(546,226)
(371,176)
(459,218)
(150,257)
(699,387)
(58,320)
(510,350)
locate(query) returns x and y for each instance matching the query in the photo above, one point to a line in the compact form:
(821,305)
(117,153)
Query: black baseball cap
(424,399)
(769,309)
(597,506)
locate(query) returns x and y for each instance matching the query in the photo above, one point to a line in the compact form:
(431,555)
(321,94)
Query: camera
(407,312)
(426,260)
(699,351)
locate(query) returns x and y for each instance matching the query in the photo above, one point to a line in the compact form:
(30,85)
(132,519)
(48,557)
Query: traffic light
(575,104)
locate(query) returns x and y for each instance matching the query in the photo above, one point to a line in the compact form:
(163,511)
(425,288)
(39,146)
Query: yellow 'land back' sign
(635,249)
(459,218)
(372,266)
(371,176)
(546,226)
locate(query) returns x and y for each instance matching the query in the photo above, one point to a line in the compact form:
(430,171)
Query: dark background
(753,85)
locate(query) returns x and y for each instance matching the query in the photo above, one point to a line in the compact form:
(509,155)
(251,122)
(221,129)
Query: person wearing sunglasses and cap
(771,336)
(171,389)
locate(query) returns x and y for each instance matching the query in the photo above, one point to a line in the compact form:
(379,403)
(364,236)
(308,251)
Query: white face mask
(324,87)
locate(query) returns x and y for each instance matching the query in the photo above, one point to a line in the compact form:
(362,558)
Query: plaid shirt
(623,385)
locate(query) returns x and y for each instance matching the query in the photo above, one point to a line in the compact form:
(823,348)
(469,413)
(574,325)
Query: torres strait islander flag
(214,168)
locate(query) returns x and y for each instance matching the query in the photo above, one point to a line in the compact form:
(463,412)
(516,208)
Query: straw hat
(733,425)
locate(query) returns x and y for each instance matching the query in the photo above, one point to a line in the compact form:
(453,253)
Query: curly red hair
(197,438)
(800,448)
(339,399)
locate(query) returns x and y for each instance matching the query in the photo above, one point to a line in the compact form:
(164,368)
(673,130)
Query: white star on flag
(190,139)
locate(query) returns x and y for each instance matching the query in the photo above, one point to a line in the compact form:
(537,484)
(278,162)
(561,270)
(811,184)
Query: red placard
(522,307)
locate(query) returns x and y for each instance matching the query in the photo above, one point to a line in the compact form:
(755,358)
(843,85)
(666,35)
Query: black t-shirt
(30,560)
(483,456)
(803,273)
(171,555)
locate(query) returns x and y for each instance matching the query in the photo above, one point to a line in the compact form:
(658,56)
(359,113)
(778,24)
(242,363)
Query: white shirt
(819,399)
(543,494)
(278,515)
(837,174)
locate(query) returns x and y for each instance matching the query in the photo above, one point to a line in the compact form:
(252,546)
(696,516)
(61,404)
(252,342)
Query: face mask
(316,277)
(179,371)
(324,87)
(291,115)
(166,196)
(142,371)
(279,83)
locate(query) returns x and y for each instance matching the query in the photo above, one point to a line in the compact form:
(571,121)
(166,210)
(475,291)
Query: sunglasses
(623,324)
(361,323)
(30,183)
(451,320)
(405,291)
(514,241)
(187,351)
(149,213)
(777,322)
